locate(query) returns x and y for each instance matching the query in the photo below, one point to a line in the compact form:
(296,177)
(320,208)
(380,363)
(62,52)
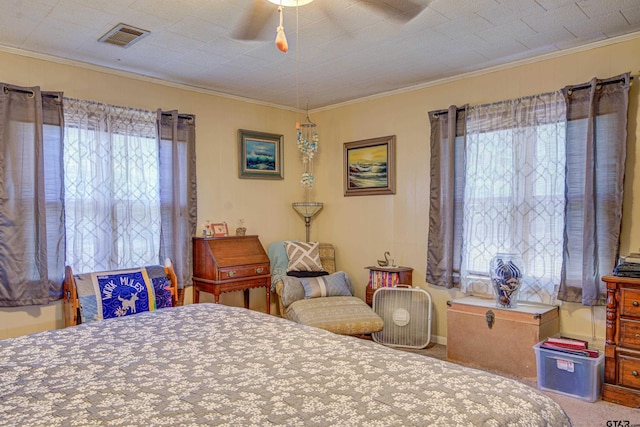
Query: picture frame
(220,229)
(260,155)
(370,166)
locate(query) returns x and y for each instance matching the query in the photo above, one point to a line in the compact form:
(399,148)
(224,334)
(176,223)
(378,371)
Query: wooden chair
(72,306)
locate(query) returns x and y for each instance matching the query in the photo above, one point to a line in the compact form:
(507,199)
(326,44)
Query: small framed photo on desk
(220,229)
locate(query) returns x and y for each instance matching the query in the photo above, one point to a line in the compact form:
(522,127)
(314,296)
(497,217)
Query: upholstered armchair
(321,297)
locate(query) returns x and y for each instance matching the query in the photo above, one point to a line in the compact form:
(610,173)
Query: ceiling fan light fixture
(290,3)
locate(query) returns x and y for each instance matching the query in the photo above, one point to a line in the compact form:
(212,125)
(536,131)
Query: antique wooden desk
(226,264)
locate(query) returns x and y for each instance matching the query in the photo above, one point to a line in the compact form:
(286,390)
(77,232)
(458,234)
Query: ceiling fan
(262,10)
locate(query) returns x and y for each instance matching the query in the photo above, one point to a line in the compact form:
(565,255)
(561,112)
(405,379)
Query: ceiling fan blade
(400,10)
(334,17)
(255,21)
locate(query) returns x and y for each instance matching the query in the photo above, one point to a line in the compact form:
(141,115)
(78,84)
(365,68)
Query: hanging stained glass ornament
(308,146)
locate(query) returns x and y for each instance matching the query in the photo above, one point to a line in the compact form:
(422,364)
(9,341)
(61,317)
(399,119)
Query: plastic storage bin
(571,375)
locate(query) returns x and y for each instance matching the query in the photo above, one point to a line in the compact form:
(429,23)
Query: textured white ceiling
(348,50)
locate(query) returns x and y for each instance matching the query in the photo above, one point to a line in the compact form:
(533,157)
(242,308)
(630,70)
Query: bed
(210,364)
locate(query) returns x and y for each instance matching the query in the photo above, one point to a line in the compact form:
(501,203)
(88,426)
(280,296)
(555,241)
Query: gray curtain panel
(596,153)
(178,195)
(32,238)
(446,191)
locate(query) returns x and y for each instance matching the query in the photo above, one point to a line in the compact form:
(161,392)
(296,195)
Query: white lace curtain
(112,194)
(514,192)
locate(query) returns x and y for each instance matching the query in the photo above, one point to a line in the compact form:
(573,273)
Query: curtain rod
(30,92)
(438,112)
(603,83)
(182,116)
(57,95)
(571,88)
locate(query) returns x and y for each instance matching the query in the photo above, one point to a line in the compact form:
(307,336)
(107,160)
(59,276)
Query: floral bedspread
(208,364)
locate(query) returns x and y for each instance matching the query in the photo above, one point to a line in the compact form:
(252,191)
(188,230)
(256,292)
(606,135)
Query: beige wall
(362,227)
(222,196)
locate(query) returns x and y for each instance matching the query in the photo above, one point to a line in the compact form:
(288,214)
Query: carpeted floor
(582,414)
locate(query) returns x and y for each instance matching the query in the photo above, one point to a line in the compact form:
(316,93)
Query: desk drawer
(240,271)
(629,371)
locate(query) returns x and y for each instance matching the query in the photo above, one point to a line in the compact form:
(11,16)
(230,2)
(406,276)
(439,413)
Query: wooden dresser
(226,264)
(622,347)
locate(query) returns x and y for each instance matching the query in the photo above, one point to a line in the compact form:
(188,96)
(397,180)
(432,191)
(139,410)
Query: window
(106,187)
(541,176)
(514,200)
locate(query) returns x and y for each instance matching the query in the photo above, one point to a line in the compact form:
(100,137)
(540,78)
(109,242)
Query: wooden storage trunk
(499,339)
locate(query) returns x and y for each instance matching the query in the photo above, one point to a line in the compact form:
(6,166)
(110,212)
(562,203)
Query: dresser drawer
(630,302)
(629,334)
(243,271)
(629,371)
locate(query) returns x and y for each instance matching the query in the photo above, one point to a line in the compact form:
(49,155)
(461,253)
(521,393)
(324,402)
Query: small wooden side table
(386,276)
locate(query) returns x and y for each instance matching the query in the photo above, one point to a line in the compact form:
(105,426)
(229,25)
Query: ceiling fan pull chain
(281,38)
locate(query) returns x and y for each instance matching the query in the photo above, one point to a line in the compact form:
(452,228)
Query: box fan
(406,313)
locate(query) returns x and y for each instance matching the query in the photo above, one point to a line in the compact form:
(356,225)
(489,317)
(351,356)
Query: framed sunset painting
(369,166)
(260,155)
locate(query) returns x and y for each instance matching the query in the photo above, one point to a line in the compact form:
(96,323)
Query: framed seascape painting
(369,166)
(260,155)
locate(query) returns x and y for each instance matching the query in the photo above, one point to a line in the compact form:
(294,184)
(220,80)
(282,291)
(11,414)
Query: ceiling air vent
(123,35)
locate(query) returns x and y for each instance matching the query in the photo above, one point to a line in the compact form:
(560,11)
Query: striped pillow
(303,256)
(332,285)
